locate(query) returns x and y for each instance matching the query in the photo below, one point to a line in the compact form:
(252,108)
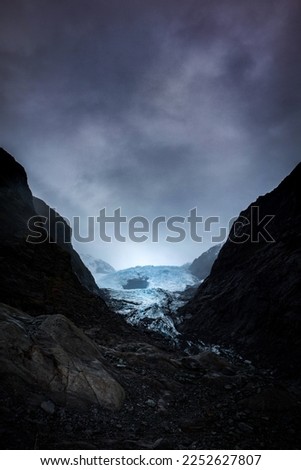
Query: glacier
(152,307)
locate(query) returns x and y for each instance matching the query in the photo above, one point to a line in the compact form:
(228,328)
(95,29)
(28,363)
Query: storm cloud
(152,106)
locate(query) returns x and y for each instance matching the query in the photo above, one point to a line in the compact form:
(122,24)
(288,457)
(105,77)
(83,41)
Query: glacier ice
(154,306)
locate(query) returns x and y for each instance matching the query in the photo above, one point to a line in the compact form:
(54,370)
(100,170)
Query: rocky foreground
(75,375)
(65,390)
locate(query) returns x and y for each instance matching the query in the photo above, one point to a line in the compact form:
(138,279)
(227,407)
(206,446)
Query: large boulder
(49,358)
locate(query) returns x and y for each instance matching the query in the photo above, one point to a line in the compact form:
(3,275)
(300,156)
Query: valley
(97,363)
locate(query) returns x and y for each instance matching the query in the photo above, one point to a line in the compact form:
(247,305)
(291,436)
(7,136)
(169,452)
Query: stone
(48,407)
(51,354)
(151,403)
(245,427)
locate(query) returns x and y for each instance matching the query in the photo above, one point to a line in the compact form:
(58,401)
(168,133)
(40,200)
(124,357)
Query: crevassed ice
(150,307)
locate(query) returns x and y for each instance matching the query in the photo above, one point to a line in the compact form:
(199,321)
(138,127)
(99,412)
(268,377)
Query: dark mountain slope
(16,205)
(202,265)
(60,232)
(40,278)
(252,298)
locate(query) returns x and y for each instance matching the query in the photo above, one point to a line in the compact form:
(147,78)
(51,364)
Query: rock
(191,425)
(48,407)
(163,444)
(150,403)
(162,406)
(271,399)
(205,362)
(49,353)
(245,427)
(121,364)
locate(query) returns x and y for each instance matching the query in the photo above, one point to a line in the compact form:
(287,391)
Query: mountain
(252,297)
(61,233)
(202,265)
(15,199)
(98,267)
(46,278)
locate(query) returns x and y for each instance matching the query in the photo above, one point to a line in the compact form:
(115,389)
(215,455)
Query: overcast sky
(153,106)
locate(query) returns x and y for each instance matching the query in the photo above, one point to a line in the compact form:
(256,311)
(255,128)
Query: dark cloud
(154,106)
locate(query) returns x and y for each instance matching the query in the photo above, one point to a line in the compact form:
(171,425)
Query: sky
(154,107)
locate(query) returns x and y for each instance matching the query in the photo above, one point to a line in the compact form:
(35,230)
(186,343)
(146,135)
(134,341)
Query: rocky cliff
(16,202)
(202,265)
(60,232)
(252,298)
(43,277)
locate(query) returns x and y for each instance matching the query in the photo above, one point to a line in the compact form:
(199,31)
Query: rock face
(45,277)
(50,358)
(252,298)
(60,232)
(15,198)
(202,265)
